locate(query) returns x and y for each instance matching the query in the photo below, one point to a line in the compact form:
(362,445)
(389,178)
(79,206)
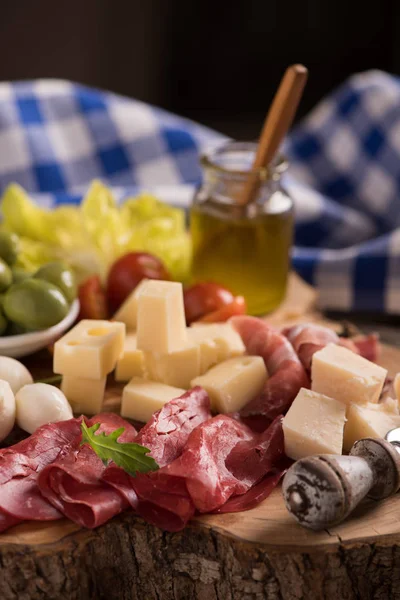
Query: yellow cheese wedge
(142,398)
(233,383)
(176,369)
(368,420)
(340,373)
(84,395)
(127,312)
(90,350)
(313,425)
(161,325)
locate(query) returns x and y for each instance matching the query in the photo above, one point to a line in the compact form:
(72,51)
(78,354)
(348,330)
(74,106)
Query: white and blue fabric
(56,136)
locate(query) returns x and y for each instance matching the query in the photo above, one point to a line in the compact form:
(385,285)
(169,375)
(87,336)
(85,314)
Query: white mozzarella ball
(41,403)
(7,409)
(14,372)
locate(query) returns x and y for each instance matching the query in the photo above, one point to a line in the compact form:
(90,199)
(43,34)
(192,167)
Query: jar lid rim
(278,166)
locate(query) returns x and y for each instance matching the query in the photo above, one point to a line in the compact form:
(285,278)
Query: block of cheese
(141,398)
(208,348)
(228,341)
(131,363)
(368,420)
(90,350)
(217,343)
(84,395)
(127,312)
(340,373)
(233,383)
(313,425)
(161,324)
(176,368)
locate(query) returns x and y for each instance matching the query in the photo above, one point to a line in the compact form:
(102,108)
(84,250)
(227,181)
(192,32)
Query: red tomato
(92,299)
(128,271)
(237,307)
(203,298)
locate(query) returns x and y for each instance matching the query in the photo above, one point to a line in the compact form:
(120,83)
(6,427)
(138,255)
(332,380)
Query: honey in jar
(245,248)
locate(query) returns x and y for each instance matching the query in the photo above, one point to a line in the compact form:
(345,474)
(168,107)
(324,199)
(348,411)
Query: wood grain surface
(261,553)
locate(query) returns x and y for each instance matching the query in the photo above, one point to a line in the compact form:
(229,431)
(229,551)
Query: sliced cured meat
(165,435)
(164,501)
(308,338)
(169,428)
(20,497)
(7,521)
(286,373)
(368,346)
(255,495)
(73,482)
(222,459)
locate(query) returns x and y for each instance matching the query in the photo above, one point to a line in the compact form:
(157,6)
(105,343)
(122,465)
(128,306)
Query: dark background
(218,62)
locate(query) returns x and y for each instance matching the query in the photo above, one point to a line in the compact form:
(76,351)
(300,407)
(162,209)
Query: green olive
(19,275)
(9,247)
(5,276)
(61,276)
(35,304)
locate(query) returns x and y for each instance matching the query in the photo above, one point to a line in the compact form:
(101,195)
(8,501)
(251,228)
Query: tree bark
(128,559)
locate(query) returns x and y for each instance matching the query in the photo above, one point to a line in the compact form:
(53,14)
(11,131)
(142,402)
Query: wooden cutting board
(262,553)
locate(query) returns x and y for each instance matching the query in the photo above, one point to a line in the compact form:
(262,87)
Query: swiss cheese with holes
(90,350)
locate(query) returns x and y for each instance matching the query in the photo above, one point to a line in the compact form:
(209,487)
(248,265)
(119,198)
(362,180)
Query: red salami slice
(286,373)
(165,435)
(20,497)
(73,482)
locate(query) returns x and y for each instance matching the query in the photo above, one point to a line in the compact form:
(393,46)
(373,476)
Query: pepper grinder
(321,491)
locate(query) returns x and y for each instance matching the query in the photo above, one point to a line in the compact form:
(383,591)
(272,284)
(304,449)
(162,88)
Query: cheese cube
(84,395)
(340,373)
(161,324)
(208,348)
(368,420)
(90,350)
(177,368)
(131,363)
(313,425)
(233,383)
(127,312)
(228,341)
(142,398)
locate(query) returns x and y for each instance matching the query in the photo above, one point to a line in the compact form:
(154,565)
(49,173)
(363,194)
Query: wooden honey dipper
(321,491)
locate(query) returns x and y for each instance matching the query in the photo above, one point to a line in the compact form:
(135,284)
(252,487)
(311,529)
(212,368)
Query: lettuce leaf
(92,236)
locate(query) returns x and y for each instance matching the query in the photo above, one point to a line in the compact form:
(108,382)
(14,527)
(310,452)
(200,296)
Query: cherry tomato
(128,271)
(92,299)
(236,307)
(203,298)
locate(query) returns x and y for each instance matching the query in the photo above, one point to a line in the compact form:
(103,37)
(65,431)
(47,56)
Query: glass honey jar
(244,248)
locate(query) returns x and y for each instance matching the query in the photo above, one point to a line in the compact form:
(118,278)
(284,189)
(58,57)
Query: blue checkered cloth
(56,136)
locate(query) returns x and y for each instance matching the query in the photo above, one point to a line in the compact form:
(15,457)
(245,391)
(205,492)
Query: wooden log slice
(259,554)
